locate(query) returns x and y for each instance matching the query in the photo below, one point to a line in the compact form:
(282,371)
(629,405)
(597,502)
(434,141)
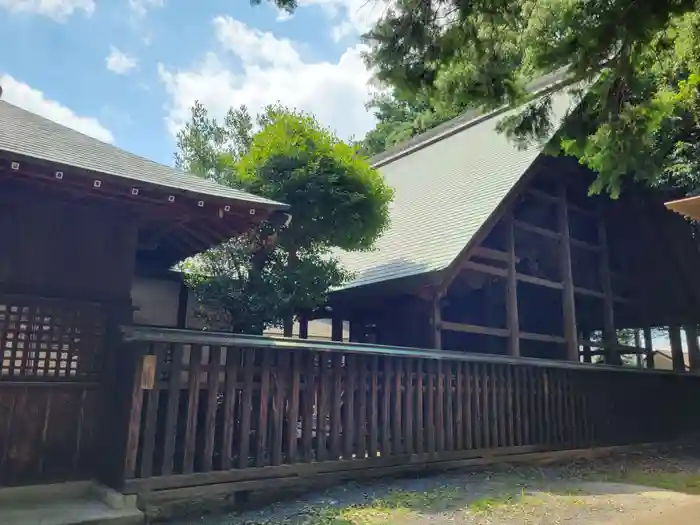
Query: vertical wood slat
(150,424)
(307,421)
(279,398)
(386,407)
(485,421)
(294,402)
(420,397)
(212,405)
(478,419)
(349,406)
(449,408)
(495,412)
(459,406)
(193,386)
(408,406)
(233,356)
(134,422)
(171,414)
(336,406)
(374,408)
(430,421)
(324,400)
(510,405)
(440,407)
(397,438)
(468,404)
(361,405)
(246,406)
(261,443)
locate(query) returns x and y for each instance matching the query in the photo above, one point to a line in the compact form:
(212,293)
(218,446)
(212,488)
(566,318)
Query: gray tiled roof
(28,134)
(444,192)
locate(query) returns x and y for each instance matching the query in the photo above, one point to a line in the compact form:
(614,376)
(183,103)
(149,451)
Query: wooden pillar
(691,336)
(512,291)
(357,332)
(337,329)
(303,326)
(649,347)
(182,306)
(612,355)
(437,321)
(674,335)
(568,299)
(288,327)
(587,355)
(638,345)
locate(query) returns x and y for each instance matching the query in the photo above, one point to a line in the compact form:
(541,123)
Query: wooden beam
(540,282)
(490,253)
(512,291)
(485,268)
(474,329)
(568,299)
(691,335)
(545,338)
(674,335)
(553,198)
(609,334)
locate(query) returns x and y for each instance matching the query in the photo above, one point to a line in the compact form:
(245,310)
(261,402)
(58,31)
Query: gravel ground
(578,493)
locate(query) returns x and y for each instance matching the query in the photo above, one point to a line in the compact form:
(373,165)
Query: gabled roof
(446,186)
(27,134)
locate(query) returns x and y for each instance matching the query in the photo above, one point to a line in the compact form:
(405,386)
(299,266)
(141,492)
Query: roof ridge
(470,117)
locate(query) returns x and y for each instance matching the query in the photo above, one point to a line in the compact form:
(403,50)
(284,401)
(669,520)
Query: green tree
(641,115)
(641,59)
(265,276)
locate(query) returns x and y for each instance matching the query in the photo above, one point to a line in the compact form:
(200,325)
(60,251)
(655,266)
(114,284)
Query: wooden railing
(216,408)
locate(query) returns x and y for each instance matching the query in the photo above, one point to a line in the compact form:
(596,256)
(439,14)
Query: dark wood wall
(59,246)
(66,267)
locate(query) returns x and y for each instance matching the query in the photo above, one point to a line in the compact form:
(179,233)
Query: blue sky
(127,71)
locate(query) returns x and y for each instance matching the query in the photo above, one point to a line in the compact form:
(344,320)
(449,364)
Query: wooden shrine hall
(473,326)
(502,251)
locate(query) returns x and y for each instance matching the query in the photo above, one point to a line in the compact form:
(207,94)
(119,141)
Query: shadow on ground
(578,493)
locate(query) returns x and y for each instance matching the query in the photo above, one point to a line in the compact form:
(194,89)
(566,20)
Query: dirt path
(610,491)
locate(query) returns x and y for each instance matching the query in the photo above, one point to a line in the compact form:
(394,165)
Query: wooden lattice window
(45,339)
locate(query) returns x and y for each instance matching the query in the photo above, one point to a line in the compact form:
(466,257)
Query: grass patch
(677,481)
(400,505)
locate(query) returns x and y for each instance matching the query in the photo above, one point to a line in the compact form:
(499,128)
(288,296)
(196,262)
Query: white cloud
(26,97)
(118,62)
(59,10)
(350,16)
(141,7)
(271,70)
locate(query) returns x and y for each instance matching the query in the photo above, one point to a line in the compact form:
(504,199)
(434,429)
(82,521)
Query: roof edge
(542,85)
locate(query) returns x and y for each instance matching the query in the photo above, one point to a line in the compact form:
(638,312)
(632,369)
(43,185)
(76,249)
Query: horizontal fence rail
(212,407)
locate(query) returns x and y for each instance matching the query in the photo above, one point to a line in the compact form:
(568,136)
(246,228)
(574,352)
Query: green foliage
(265,276)
(337,198)
(641,116)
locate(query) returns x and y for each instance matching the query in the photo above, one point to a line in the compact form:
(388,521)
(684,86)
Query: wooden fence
(245,412)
